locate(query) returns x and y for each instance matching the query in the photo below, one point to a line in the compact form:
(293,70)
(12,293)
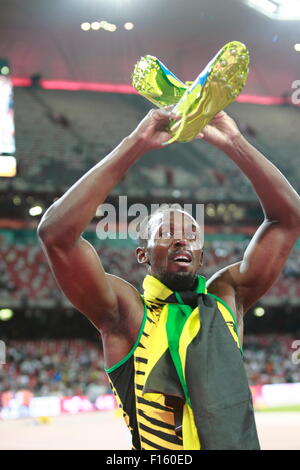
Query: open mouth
(183,259)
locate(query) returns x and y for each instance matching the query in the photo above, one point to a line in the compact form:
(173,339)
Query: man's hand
(221,131)
(153,130)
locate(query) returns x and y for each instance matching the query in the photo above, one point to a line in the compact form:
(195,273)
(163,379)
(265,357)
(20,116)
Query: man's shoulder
(120,338)
(117,281)
(130,301)
(221,284)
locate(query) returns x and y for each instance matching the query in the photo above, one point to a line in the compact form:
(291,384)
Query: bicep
(262,262)
(80,275)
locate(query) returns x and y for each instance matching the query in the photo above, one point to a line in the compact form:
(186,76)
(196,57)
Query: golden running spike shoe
(154,81)
(216,87)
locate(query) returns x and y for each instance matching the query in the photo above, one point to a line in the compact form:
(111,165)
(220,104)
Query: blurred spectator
(268,359)
(75,367)
(61,368)
(26,276)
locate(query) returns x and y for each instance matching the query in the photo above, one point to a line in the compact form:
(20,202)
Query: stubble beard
(178,281)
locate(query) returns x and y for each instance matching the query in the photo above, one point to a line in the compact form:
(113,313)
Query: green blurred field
(280,408)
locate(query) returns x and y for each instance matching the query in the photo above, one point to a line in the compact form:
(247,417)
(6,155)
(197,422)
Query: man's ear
(142,255)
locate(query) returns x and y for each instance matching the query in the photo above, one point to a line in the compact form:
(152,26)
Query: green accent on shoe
(216,87)
(154,81)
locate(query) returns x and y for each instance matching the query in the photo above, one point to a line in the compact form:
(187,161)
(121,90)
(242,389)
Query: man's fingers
(175,116)
(169,107)
(219,115)
(164,114)
(170,112)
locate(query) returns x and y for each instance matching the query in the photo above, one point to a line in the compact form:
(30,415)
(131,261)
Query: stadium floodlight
(128,26)
(290,10)
(111,28)
(265,6)
(277,9)
(4,70)
(85,26)
(259,311)
(6,314)
(35,210)
(8,166)
(95,25)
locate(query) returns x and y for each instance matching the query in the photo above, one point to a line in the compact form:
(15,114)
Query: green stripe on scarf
(217,411)
(177,316)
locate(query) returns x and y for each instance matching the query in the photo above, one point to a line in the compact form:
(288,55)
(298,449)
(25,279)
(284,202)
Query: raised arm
(74,262)
(271,245)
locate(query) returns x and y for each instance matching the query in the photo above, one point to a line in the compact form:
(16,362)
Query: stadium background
(73,103)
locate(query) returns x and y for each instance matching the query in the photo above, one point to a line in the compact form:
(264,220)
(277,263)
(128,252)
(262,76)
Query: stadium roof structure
(45,37)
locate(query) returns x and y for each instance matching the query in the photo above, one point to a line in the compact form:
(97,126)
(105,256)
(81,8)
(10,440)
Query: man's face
(174,249)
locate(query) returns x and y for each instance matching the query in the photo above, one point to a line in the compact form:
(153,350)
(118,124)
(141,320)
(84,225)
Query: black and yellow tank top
(154,421)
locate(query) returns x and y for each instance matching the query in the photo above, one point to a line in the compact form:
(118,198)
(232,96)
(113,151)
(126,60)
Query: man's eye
(165,235)
(191,235)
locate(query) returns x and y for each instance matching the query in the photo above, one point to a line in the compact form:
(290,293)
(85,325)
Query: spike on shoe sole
(216,87)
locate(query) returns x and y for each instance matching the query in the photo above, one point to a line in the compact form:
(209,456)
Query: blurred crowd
(61,134)
(269,359)
(76,367)
(56,368)
(25,275)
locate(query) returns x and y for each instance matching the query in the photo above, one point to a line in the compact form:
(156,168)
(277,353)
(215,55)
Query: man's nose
(180,241)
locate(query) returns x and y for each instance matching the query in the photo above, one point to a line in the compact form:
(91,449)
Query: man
(124,318)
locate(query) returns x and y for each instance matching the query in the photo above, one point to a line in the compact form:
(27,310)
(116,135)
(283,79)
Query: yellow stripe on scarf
(228,319)
(155,291)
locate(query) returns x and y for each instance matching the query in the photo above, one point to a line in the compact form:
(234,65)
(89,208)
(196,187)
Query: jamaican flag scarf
(195,355)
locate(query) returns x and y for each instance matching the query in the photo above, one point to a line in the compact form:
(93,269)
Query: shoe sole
(154,81)
(216,87)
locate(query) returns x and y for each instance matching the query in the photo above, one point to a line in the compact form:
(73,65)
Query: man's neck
(177,281)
